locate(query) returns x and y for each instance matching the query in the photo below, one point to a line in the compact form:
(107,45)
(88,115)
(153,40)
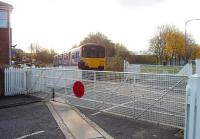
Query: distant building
(5,33)
(142,59)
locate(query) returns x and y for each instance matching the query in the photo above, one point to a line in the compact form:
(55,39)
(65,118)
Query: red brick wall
(4,46)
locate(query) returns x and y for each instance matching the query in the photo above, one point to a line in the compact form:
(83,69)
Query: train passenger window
(77,54)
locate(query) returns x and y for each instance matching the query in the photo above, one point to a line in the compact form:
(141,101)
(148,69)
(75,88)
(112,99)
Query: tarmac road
(123,128)
(30,121)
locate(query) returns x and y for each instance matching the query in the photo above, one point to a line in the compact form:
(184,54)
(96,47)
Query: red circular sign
(78,89)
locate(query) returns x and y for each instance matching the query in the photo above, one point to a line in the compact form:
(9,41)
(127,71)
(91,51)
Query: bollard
(53,94)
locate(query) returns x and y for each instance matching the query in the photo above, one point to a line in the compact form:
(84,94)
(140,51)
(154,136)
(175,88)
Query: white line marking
(25,136)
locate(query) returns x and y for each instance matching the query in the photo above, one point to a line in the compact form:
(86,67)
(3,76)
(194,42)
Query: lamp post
(189,57)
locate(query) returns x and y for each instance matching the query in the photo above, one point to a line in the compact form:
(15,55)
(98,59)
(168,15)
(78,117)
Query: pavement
(77,125)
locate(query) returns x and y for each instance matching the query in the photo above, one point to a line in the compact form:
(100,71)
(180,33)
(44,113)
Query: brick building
(5,40)
(5,33)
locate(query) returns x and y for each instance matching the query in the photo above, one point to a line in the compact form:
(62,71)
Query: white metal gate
(149,97)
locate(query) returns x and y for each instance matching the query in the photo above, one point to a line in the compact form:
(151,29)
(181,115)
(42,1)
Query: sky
(60,24)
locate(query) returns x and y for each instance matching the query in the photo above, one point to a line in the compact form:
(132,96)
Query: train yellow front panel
(94,62)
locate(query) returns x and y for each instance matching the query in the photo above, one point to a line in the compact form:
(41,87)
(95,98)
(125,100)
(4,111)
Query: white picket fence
(15,81)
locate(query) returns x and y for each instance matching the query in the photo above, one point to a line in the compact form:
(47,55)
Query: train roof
(77,48)
(70,50)
(74,49)
(92,44)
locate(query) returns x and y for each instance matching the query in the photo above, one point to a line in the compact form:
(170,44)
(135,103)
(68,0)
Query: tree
(157,47)
(121,51)
(175,45)
(101,39)
(34,48)
(195,52)
(158,42)
(42,55)
(168,44)
(190,47)
(116,62)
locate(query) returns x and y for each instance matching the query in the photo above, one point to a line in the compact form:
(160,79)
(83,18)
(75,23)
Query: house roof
(6,6)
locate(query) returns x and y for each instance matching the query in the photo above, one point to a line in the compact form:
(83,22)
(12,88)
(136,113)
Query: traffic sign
(78,89)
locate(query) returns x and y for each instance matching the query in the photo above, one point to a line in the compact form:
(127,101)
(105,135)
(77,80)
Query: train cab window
(73,56)
(93,51)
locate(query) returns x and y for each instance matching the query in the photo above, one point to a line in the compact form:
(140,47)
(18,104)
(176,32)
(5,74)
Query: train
(90,56)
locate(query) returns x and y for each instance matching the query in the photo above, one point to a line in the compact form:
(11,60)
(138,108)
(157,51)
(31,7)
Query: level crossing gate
(157,98)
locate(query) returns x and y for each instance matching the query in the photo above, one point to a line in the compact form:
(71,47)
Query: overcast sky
(59,24)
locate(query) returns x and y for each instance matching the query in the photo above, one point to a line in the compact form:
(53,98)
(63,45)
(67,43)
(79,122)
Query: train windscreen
(93,51)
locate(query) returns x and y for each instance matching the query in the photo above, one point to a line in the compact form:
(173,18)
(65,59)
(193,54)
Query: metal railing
(158,98)
(155,69)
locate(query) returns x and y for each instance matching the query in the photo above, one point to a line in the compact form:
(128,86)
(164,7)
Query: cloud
(139,3)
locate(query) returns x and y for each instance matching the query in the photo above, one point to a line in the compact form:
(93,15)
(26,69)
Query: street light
(186,36)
